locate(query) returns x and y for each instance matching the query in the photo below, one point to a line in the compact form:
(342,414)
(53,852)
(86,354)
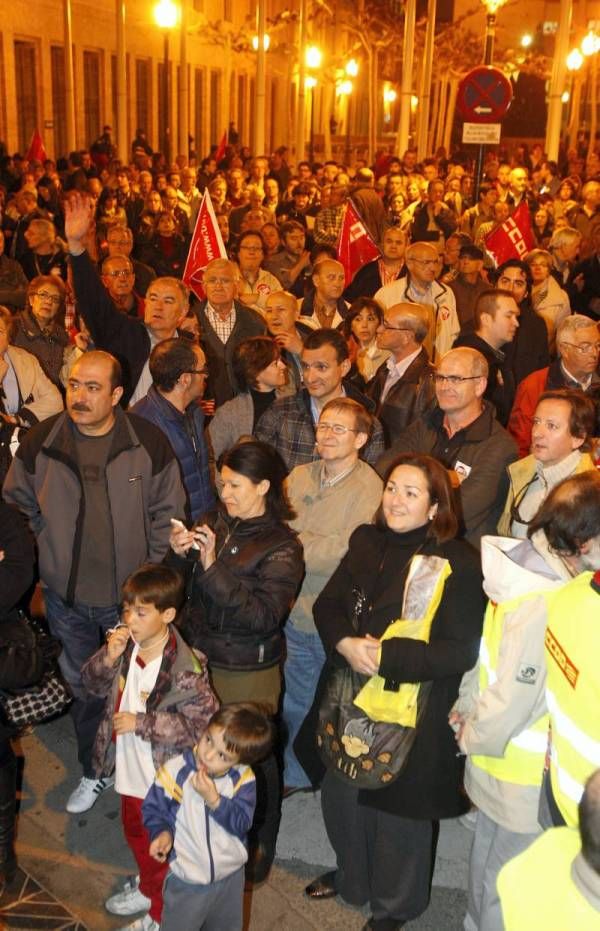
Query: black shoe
(260,861)
(323,887)
(383,924)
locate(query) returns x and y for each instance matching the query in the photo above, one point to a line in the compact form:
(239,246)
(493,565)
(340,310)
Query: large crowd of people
(301,494)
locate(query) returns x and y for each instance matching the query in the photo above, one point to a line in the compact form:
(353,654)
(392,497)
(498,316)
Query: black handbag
(32,690)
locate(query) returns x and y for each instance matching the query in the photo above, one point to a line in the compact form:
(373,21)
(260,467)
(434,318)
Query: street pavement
(83,859)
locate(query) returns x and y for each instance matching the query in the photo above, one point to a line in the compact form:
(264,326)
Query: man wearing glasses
(402,386)
(420,286)
(462,432)
(118,278)
(119,241)
(578,345)
(331,497)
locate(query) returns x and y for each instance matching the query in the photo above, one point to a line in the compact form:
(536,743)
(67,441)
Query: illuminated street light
(414,102)
(266,42)
(565,97)
(389,94)
(313,57)
(310,82)
(352,68)
(526,40)
(590,44)
(166,14)
(574,60)
(344,88)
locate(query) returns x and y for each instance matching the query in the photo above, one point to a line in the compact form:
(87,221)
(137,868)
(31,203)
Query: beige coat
(326,518)
(38,394)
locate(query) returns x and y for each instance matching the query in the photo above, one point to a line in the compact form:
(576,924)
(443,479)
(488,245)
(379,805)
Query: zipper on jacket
(208,847)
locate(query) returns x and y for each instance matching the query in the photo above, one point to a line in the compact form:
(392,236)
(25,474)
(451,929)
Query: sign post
(484,96)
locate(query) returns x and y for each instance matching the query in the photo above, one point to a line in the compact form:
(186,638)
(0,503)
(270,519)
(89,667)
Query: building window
(143,90)
(59,110)
(26,94)
(215,113)
(91,95)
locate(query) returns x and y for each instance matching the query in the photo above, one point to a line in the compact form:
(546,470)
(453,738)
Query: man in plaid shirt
(289,423)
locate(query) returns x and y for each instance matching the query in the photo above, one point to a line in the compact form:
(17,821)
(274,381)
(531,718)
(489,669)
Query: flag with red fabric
(220,153)
(513,239)
(207,244)
(355,246)
(36,151)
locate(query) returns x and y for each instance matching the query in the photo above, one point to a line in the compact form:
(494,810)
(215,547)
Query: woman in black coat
(384,838)
(243,578)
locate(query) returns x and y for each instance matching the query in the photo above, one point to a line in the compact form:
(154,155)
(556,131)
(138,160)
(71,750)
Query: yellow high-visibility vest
(573,689)
(523,760)
(537,891)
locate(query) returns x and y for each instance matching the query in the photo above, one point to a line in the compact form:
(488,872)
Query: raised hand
(78,216)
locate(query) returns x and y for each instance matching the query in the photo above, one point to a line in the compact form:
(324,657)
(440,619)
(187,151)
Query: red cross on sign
(484,95)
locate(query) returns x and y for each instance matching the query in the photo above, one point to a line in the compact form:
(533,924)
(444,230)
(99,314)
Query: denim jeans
(81,629)
(303,665)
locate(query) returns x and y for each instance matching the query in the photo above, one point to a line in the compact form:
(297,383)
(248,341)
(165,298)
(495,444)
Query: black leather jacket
(237,607)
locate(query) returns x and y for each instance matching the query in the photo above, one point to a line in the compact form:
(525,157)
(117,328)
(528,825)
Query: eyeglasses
(120,273)
(45,296)
(336,428)
(454,380)
(388,326)
(585,348)
(428,263)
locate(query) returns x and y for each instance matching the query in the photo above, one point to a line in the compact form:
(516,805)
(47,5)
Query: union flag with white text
(355,246)
(206,245)
(512,240)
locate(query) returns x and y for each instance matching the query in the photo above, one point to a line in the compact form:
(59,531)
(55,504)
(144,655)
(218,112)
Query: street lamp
(574,60)
(166,17)
(266,42)
(491,7)
(313,56)
(526,40)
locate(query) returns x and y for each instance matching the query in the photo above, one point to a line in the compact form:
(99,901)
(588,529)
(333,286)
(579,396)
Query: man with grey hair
(462,432)
(129,339)
(224,323)
(578,345)
(402,387)
(564,246)
(420,286)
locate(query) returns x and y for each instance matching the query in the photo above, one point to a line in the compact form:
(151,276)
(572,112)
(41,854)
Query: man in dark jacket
(98,487)
(179,373)
(496,323)
(402,386)
(529,349)
(433,220)
(463,433)
(129,339)
(289,423)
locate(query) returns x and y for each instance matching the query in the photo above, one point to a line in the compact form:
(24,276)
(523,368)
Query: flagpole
(69,80)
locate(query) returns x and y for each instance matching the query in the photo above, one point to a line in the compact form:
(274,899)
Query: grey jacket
(144,490)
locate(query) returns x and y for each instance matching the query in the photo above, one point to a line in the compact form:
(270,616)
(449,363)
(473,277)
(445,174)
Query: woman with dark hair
(167,250)
(40,328)
(543,225)
(262,376)
(243,566)
(108,213)
(360,329)
(407,566)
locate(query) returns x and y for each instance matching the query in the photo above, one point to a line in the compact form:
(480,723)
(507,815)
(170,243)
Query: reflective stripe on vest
(523,759)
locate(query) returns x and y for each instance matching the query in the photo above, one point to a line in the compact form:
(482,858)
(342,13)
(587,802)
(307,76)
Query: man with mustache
(99,488)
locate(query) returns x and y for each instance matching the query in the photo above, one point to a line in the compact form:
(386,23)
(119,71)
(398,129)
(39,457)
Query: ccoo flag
(206,245)
(355,246)
(512,240)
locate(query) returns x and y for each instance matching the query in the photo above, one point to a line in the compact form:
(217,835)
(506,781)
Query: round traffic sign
(484,95)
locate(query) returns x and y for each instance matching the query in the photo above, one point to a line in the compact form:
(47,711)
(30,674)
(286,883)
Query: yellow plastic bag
(422,595)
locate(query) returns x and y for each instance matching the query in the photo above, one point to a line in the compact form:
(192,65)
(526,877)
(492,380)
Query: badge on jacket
(528,673)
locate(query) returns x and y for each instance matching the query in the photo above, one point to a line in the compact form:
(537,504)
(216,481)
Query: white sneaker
(142,924)
(129,900)
(86,794)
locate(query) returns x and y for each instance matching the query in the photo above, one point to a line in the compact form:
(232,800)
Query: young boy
(158,702)
(198,813)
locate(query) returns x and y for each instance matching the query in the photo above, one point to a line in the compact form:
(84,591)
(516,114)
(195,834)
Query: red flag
(206,245)
(36,151)
(512,240)
(355,246)
(220,153)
